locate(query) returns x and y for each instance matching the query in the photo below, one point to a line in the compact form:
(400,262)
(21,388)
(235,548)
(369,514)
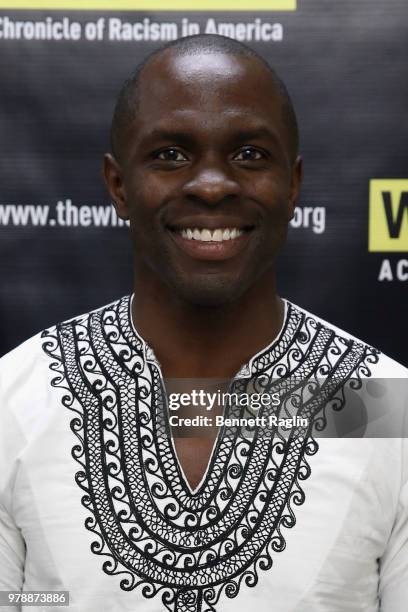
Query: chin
(209,291)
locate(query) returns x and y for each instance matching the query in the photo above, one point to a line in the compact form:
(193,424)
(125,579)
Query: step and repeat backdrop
(63,251)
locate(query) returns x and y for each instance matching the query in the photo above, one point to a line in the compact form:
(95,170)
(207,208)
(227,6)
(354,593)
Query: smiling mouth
(210,232)
(207,235)
(214,244)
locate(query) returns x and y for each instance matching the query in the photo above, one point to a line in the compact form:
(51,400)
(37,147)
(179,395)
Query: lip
(211,251)
(209,222)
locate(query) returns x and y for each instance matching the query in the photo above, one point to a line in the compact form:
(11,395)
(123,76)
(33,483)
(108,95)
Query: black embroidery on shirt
(152,530)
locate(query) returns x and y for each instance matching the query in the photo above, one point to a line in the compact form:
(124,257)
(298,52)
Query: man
(205,166)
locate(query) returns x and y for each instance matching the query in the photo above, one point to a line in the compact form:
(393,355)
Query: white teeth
(217,235)
(206,235)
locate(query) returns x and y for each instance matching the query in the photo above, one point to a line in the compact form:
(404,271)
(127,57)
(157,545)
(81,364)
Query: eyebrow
(187,138)
(169,135)
(257,132)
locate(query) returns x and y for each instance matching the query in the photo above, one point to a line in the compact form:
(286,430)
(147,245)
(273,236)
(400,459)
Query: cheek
(274,201)
(149,193)
(272,188)
(272,194)
(144,202)
(147,199)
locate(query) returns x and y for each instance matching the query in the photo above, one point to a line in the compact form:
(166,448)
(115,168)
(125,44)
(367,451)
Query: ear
(296,182)
(113,176)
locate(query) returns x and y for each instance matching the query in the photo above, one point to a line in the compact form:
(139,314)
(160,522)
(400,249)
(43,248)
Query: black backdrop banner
(63,251)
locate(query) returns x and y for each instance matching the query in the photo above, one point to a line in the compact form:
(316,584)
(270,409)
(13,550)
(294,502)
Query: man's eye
(173,155)
(249,154)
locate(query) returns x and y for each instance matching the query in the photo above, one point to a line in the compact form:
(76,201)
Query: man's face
(206,176)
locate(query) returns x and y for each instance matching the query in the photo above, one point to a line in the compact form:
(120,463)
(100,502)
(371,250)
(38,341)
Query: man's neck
(206,342)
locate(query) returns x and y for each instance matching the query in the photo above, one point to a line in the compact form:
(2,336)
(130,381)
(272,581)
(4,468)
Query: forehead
(218,85)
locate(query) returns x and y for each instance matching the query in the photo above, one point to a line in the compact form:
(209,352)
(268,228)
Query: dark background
(345,64)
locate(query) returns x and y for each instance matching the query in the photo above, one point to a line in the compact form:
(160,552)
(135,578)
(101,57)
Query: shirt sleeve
(393,586)
(12,546)
(12,554)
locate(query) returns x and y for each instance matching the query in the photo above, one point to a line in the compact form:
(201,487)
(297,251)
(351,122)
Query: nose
(211,184)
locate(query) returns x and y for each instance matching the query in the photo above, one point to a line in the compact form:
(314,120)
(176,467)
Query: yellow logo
(153,5)
(388,215)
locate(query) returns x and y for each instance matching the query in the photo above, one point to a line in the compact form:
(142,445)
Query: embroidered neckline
(246,369)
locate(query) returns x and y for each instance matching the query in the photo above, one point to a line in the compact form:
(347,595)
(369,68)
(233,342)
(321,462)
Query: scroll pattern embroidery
(150,528)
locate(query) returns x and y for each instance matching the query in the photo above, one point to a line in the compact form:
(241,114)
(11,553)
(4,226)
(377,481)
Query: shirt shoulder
(26,371)
(382,366)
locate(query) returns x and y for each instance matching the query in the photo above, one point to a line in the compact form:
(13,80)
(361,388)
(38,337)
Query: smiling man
(100,495)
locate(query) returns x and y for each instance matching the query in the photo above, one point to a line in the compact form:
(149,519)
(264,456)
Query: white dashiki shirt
(93,499)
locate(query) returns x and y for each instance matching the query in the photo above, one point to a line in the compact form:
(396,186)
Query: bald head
(127,104)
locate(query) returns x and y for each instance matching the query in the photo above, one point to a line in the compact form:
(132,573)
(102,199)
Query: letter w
(394,227)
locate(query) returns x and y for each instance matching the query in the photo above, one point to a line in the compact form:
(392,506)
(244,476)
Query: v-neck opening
(195,490)
(245,371)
